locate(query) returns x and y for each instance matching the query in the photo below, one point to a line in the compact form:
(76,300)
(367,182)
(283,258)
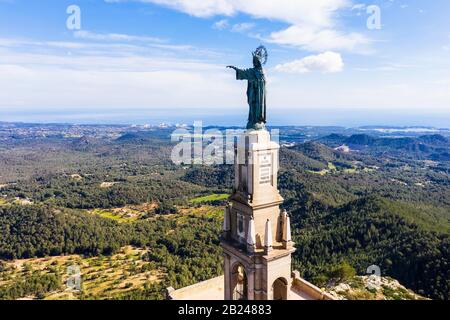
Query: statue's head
(256,62)
(260,57)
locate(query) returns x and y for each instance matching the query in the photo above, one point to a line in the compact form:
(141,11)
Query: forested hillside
(184,247)
(374,231)
(92,196)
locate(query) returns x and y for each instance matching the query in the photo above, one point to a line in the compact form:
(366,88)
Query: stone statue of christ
(256,91)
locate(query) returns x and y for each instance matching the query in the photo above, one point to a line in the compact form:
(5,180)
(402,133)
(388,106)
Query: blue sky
(154,59)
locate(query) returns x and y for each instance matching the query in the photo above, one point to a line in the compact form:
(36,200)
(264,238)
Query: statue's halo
(262,54)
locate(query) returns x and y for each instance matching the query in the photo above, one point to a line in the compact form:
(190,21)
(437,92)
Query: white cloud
(242,27)
(314,39)
(84,34)
(312,27)
(359,6)
(109,44)
(238,27)
(136,43)
(221,24)
(327,62)
(317,12)
(108,75)
(198,8)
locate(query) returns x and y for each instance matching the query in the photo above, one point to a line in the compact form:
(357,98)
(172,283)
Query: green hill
(433,147)
(374,231)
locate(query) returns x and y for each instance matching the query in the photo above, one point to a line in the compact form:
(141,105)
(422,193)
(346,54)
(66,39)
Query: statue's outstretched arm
(241,74)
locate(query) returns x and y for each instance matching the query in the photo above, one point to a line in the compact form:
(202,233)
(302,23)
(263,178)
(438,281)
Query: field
(123,273)
(206,211)
(209,198)
(126,214)
(102,276)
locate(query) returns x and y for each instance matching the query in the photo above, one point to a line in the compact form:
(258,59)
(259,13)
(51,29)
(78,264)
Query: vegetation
(367,288)
(36,285)
(367,232)
(210,198)
(342,272)
(189,255)
(120,204)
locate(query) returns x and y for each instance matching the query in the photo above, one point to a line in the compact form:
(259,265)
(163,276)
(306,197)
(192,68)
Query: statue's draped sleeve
(245,74)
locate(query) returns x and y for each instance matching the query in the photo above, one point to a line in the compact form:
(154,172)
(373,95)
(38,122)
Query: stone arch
(239,282)
(280,289)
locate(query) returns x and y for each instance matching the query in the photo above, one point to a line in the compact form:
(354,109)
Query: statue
(256,91)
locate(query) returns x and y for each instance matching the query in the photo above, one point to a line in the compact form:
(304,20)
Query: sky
(331,62)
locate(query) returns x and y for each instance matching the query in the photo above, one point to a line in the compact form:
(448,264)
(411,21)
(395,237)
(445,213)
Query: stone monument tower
(256,238)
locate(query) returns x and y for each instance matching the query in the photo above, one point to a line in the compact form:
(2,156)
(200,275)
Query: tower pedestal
(256,239)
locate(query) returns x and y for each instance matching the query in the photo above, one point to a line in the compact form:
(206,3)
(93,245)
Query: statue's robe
(256,95)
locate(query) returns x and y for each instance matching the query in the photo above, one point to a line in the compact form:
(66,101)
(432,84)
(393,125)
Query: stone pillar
(227,276)
(286,230)
(251,236)
(251,284)
(226,227)
(268,237)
